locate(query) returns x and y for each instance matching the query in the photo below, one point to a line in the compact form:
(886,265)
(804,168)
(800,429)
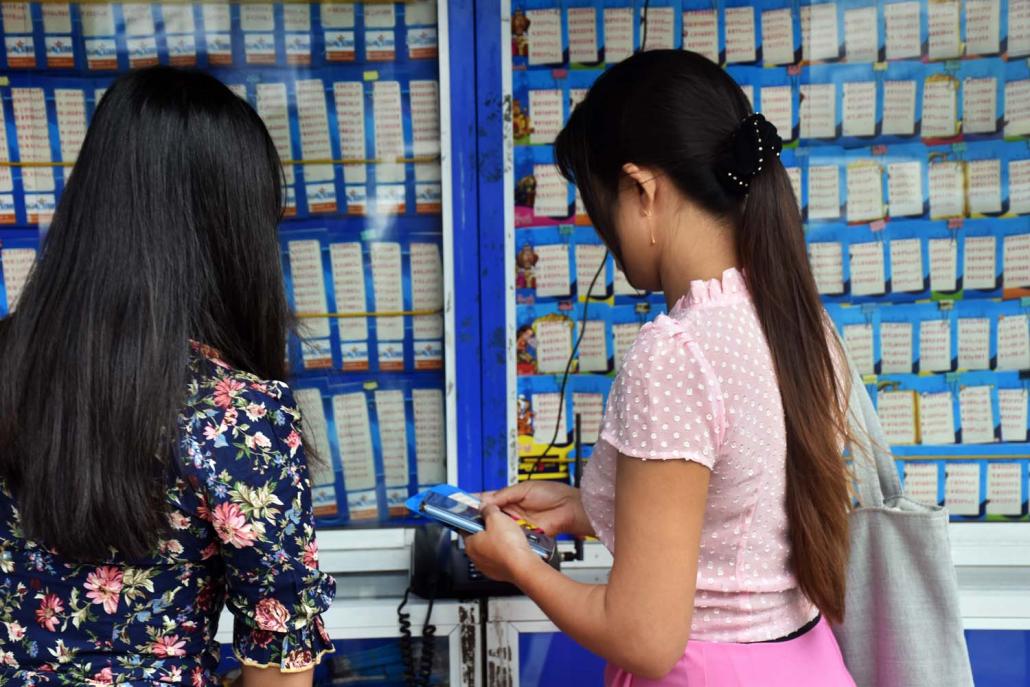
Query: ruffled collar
(729,289)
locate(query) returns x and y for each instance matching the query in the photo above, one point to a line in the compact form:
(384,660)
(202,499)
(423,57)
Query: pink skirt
(811,660)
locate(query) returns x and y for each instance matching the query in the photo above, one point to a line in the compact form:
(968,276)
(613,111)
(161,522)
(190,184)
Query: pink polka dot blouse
(698,384)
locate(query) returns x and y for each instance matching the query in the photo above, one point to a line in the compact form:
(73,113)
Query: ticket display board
(350,93)
(906,128)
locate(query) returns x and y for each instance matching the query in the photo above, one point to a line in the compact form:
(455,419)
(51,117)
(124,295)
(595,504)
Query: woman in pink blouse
(719,464)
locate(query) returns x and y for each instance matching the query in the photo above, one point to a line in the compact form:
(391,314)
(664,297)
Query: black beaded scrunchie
(750,148)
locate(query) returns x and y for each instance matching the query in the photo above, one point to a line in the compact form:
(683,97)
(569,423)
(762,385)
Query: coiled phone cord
(428,649)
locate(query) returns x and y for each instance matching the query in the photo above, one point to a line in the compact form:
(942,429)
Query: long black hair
(679,113)
(165,234)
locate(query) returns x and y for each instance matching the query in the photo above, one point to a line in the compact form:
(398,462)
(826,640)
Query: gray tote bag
(902,626)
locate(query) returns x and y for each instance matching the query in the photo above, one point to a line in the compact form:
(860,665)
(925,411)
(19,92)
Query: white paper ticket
(984,190)
(1018,28)
(545,36)
(899,108)
(937,418)
(623,335)
(940,106)
(778,36)
(943,264)
(273,109)
(701,33)
(309,285)
(552,192)
(387,288)
(980,105)
(552,270)
(859,341)
(354,437)
(1004,491)
(661,28)
(980,270)
(425,127)
(905,188)
(582,35)
(314,129)
(70,104)
(819,32)
(907,272)
(778,108)
(897,413)
(859,108)
(962,487)
(593,348)
(945,39)
(982,26)
(549,413)
(947,189)
(977,415)
(389,130)
(865,191)
(861,35)
(554,345)
(896,347)
(824,192)
(618,34)
(33,135)
(974,343)
(393,435)
(818,110)
(1016,261)
(426,289)
(17,263)
(903,30)
(868,273)
(1019,186)
(430,449)
(827,267)
(588,260)
(740,34)
(590,409)
(922,482)
(350,124)
(935,346)
(349,289)
(547,114)
(1012,404)
(1017,107)
(1013,342)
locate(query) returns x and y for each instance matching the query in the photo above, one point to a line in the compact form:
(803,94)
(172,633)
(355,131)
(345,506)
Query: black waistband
(807,627)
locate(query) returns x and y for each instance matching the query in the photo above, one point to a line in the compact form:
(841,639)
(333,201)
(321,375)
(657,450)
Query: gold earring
(653,242)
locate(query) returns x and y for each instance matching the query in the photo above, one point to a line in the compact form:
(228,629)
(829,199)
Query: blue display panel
(351,96)
(906,128)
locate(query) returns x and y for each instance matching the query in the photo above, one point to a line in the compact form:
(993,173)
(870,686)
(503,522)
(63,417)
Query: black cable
(643,26)
(568,367)
(427,652)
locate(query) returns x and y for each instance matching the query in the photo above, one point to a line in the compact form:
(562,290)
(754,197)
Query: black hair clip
(749,147)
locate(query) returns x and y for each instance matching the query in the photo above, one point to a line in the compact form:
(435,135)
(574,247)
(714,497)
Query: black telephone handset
(441,569)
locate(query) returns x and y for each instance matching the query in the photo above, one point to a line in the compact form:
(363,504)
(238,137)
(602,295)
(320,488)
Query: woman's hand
(502,552)
(553,507)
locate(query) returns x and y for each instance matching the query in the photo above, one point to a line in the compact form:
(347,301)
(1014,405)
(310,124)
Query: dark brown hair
(676,111)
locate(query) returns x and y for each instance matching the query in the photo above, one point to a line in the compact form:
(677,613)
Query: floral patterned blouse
(240,534)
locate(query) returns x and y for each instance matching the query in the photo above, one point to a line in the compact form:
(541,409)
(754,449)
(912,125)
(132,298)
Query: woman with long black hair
(151,468)
(719,469)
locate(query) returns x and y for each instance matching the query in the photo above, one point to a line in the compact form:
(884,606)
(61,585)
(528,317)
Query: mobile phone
(461,511)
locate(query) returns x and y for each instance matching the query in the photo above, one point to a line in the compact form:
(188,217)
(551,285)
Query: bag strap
(874,466)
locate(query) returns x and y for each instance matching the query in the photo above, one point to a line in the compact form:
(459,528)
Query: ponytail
(771,247)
